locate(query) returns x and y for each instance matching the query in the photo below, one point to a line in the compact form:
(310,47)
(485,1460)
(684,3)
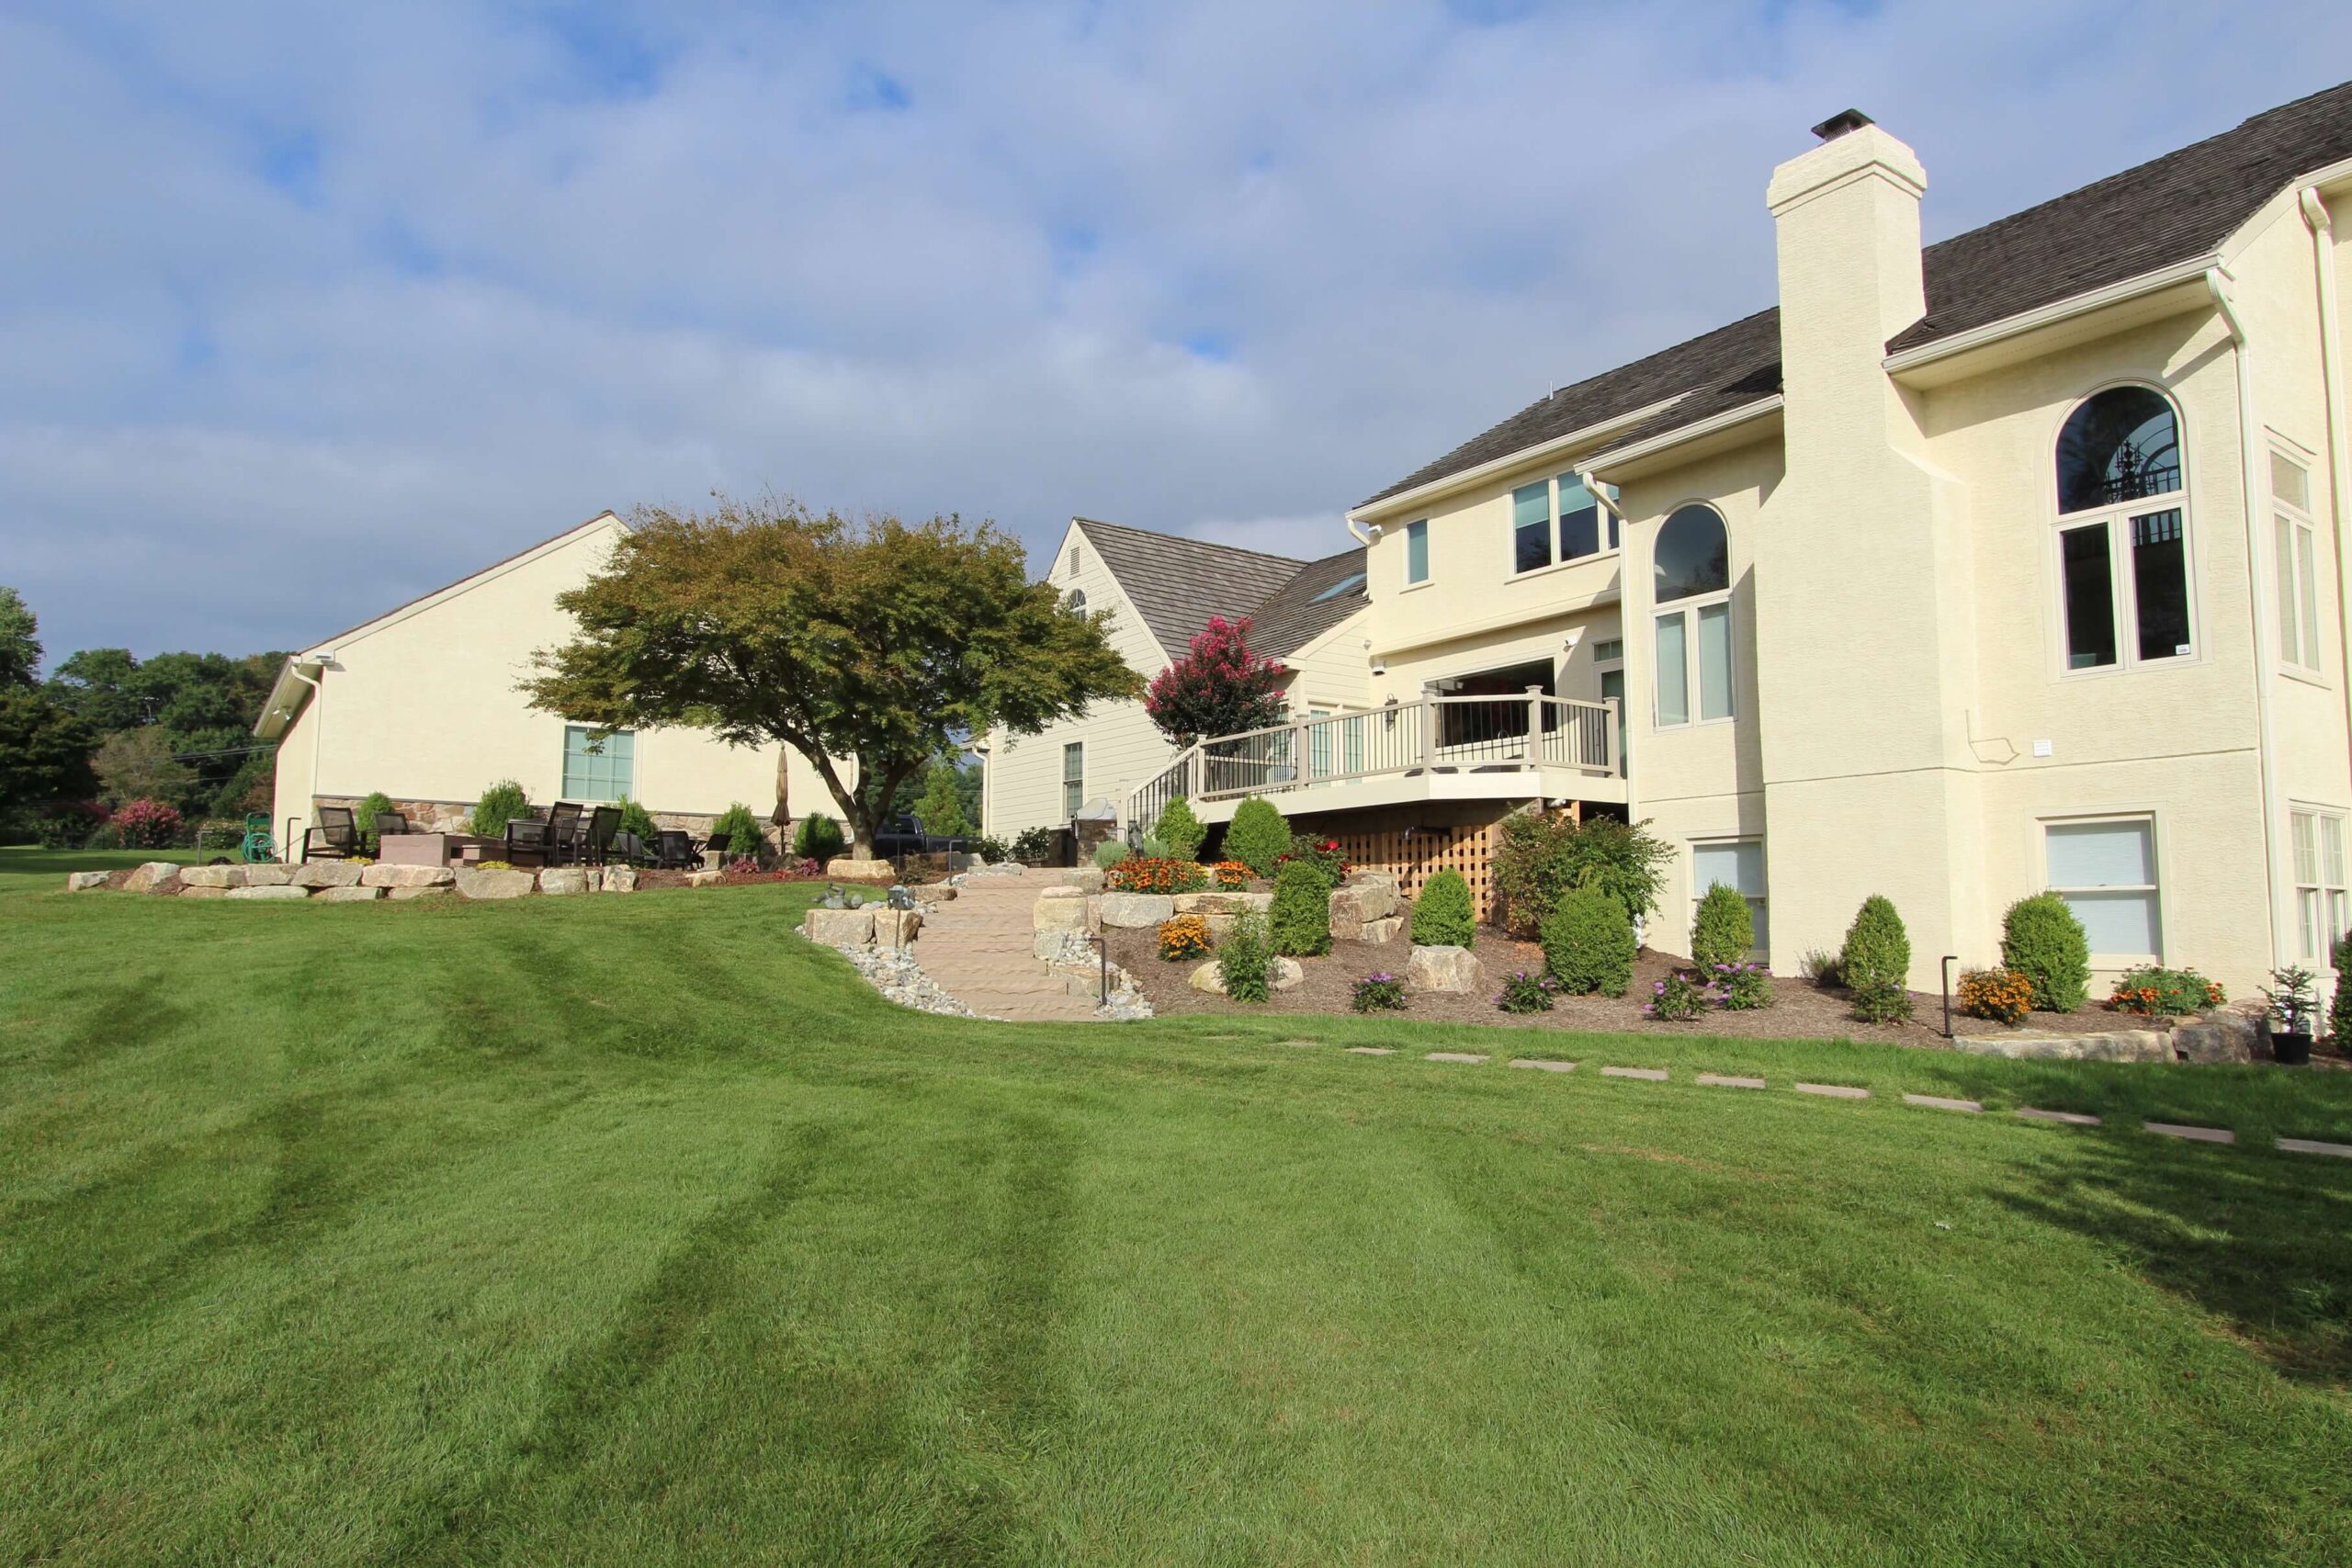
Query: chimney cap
(1838,124)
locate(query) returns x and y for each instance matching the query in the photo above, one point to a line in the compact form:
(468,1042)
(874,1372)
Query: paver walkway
(977,949)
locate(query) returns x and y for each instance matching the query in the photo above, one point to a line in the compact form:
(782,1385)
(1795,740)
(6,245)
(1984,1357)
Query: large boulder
(414,877)
(568,878)
(2119,1045)
(83,881)
(429,890)
(1134,910)
(323,874)
(474,882)
(896,927)
(705,878)
(1359,904)
(1217,903)
(839,928)
(269,876)
(1453,969)
(1385,930)
(1085,878)
(279,891)
(1285,973)
(2223,1037)
(352,894)
(155,877)
(878,873)
(213,877)
(1065,909)
(620,879)
(202,891)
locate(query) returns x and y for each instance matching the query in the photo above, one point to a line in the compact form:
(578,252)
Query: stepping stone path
(1543,1066)
(1370,1051)
(2070,1118)
(1937,1102)
(1834,1091)
(1649,1075)
(1717,1080)
(2313,1146)
(977,949)
(2194,1134)
(1463,1057)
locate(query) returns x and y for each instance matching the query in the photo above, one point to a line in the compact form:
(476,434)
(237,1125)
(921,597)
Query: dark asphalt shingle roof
(2165,211)
(1177,584)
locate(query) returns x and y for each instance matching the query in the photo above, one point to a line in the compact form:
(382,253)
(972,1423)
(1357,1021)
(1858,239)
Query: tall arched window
(1077,600)
(1691,585)
(2123,532)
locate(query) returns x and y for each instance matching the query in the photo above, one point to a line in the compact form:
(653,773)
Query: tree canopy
(19,645)
(875,640)
(1219,687)
(200,708)
(44,749)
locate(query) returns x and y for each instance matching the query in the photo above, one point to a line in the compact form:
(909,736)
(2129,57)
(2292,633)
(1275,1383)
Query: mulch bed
(1800,1010)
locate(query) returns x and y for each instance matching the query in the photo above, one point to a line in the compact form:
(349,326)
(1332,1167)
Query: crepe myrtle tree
(1219,687)
(873,639)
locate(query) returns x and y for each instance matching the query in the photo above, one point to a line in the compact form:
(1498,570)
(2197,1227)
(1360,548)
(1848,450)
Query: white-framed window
(2105,868)
(1608,668)
(1417,552)
(1559,520)
(2123,532)
(1073,779)
(1738,864)
(1690,571)
(597,770)
(2322,913)
(2297,543)
(1077,600)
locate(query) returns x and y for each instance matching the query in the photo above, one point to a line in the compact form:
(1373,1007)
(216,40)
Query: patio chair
(336,836)
(563,834)
(528,842)
(391,825)
(675,850)
(716,845)
(595,845)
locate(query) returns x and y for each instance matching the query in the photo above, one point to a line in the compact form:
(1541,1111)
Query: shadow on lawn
(2249,1235)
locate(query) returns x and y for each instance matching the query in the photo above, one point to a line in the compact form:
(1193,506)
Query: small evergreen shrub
(1742,987)
(1678,998)
(746,837)
(2002,995)
(500,804)
(1527,993)
(1877,947)
(1259,836)
(1589,943)
(636,819)
(817,837)
(2153,991)
(1186,936)
(1244,962)
(1881,1000)
(1722,931)
(365,814)
(1300,919)
(1442,916)
(1110,853)
(1382,992)
(2043,941)
(1180,831)
(2340,1012)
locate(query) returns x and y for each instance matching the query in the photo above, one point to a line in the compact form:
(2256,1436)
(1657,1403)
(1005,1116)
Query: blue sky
(308,309)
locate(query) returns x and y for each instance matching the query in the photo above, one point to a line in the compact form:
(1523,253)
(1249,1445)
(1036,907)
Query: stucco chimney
(1846,214)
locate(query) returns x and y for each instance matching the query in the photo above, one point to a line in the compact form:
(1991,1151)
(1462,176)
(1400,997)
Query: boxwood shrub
(1589,943)
(2041,939)
(1300,918)
(1442,916)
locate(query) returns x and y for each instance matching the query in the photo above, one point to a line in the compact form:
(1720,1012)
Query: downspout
(318,722)
(1599,492)
(2250,442)
(2331,365)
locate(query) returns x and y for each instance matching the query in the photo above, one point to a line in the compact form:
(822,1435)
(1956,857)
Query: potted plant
(2294,1002)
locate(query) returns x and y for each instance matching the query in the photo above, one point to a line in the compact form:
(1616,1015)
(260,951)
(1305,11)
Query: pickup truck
(905,836)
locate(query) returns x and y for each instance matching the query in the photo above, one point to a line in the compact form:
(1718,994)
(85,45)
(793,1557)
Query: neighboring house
(2009,563)
(1161,589)
(421,704)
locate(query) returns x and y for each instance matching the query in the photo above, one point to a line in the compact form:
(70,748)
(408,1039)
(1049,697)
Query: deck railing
(1482,734)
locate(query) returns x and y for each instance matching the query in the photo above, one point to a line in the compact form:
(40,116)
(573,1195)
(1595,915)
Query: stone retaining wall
(353,882)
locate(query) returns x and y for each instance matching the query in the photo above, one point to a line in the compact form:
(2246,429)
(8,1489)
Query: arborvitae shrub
(500,804)
(1179,832)
(744,835)
(1876,963)
(818,837)
(1442,916)
(1258,835)
(2340,1012)
(1589,943)
(1300,918)
(1722,931)
(1244,962)
(2041,939)
(636,819)
(363,814)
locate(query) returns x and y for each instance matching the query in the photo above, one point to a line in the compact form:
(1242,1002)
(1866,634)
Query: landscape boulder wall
(561,879)
(876,872)
(475,883)
(155,877)
(1133,911)
(413,876)
(2117,1045)
(839,928)
(1363,901)
(83,881)
(270,891)
(1061,912)
(1449,969)
(323,874)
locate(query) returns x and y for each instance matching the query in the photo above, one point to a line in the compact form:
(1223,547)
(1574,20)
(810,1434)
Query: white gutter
(1683,433)
(2217,284)
(2339,445)
(2045,315)
(1406,500)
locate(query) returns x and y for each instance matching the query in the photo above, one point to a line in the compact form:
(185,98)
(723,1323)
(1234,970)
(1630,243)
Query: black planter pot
(2291,1050)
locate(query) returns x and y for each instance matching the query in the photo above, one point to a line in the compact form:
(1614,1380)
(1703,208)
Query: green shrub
(744,835)
(1527,993)
(1442,915)
(1110,853)
(1742,987)
(364,815)
(817,837)
(1820,966)
(1881,1000)
(1300,917)
(2340,1012)
(1258,835)
(636,819)
(500,804)
(1382,992)
(1032,845)
(1542,856)
(1722,931)
(1179,832)
(1589,943)
(2041,939)
(1877,947)
(2153,991)
(1244,962)
(1678,998)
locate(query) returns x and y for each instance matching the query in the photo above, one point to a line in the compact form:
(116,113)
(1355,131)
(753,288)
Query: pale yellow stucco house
(421,703)
(2006,563)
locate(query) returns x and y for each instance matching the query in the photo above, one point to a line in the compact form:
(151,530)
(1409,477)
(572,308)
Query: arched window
(1077,600)
(1690,570)
(2122,532)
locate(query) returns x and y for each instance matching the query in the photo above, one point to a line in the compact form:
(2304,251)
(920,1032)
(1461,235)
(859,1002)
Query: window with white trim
(2123,532)
(1691,569)
(2297,544)
(2320,906)
(1077,600)
(1559,520)
(1417,552)
(2105,868)
(597,770)
(1738,864)
(1073,779)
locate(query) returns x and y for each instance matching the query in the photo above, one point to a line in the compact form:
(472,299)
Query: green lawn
(633,1231)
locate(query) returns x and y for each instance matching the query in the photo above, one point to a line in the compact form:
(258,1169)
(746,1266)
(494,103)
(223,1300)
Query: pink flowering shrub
(148,825)
(1219,687)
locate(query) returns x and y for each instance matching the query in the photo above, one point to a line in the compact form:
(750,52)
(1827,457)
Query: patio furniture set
(569,835)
